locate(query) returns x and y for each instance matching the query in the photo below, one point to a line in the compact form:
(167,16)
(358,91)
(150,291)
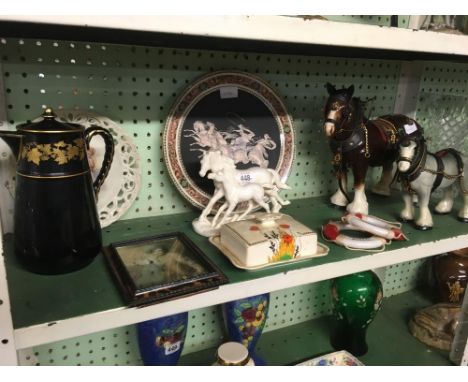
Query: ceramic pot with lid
(233,354)
(450,274)
(56,226)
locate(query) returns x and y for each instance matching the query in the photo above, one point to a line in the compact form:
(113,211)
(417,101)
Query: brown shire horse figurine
(358,143)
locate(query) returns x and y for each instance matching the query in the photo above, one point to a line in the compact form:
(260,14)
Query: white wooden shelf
(280,29)
(91,323)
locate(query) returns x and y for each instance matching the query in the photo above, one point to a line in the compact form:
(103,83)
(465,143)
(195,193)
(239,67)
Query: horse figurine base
(207,226)
(204,227)
(422,173)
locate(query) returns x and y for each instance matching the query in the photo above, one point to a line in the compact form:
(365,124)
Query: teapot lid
(49,124)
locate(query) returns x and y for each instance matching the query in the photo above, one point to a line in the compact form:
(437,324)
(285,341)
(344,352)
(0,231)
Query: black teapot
(56,226)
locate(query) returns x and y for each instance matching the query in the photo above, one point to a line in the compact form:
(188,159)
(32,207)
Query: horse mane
(357,116)
(228,161)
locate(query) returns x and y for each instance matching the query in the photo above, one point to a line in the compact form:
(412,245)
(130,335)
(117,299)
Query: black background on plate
(211,108)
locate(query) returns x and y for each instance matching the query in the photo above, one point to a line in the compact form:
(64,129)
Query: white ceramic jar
(233,354)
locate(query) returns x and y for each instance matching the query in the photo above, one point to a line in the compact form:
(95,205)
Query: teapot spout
(13,139)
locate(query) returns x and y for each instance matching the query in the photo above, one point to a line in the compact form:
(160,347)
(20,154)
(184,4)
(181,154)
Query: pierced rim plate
(322,250)
(239,114)
(122,185)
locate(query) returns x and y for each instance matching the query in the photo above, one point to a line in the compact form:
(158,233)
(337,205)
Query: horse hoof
(441,213)
(464,220)
(423,227)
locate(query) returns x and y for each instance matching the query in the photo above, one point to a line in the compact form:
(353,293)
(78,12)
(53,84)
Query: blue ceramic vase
(161,340)
(245,319)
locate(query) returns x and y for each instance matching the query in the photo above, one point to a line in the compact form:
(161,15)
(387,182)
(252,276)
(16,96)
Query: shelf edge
(77,326)
(279,29)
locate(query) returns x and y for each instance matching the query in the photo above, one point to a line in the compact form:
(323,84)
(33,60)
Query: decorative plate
(233,112)
(322,250)
(122,185)
(7,183)
(339,358)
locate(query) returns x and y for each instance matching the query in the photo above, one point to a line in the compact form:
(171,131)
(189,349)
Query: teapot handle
(108,156)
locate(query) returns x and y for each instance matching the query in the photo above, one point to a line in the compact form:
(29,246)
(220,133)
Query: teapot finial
(48,113)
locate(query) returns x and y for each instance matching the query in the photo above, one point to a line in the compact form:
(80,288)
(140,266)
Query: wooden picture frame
(161,268)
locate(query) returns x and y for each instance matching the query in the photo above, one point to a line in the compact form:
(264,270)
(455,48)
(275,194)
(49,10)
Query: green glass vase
(356,299)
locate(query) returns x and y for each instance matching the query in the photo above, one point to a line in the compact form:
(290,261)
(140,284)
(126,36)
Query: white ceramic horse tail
(422,173)
(276,180)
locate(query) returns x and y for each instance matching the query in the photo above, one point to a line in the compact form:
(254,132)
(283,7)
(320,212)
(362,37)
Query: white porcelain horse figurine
(215,161)
(222,166)
(422,173)
(235,193)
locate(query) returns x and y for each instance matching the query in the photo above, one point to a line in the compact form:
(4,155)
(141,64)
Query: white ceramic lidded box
(267,239)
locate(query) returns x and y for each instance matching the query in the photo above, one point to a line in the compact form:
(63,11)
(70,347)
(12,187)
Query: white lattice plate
(122,185)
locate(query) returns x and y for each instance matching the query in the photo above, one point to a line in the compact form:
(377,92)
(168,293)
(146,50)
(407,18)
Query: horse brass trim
(390,128)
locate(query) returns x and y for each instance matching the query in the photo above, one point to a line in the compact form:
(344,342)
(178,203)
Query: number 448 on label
(172,348)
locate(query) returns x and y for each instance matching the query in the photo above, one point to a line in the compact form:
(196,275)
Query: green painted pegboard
(136,87)
(403,21)
(362,19)
(381,20)
(442,107)
(403,277)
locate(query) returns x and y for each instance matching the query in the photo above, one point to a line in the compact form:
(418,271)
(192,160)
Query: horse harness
(417,166)
(360,137)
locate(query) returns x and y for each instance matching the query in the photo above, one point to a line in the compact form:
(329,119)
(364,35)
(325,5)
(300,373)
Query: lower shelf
(390,343)
(47,309)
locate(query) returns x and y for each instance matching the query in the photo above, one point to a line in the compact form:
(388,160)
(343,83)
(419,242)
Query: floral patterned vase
(356,299)
(245,320)
(161,340)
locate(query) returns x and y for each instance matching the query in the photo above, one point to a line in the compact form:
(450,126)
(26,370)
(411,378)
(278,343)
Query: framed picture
(234,112)
(160,268)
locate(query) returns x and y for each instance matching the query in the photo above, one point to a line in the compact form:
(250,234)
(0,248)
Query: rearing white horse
(215,162)
(423,172)
(257,154)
